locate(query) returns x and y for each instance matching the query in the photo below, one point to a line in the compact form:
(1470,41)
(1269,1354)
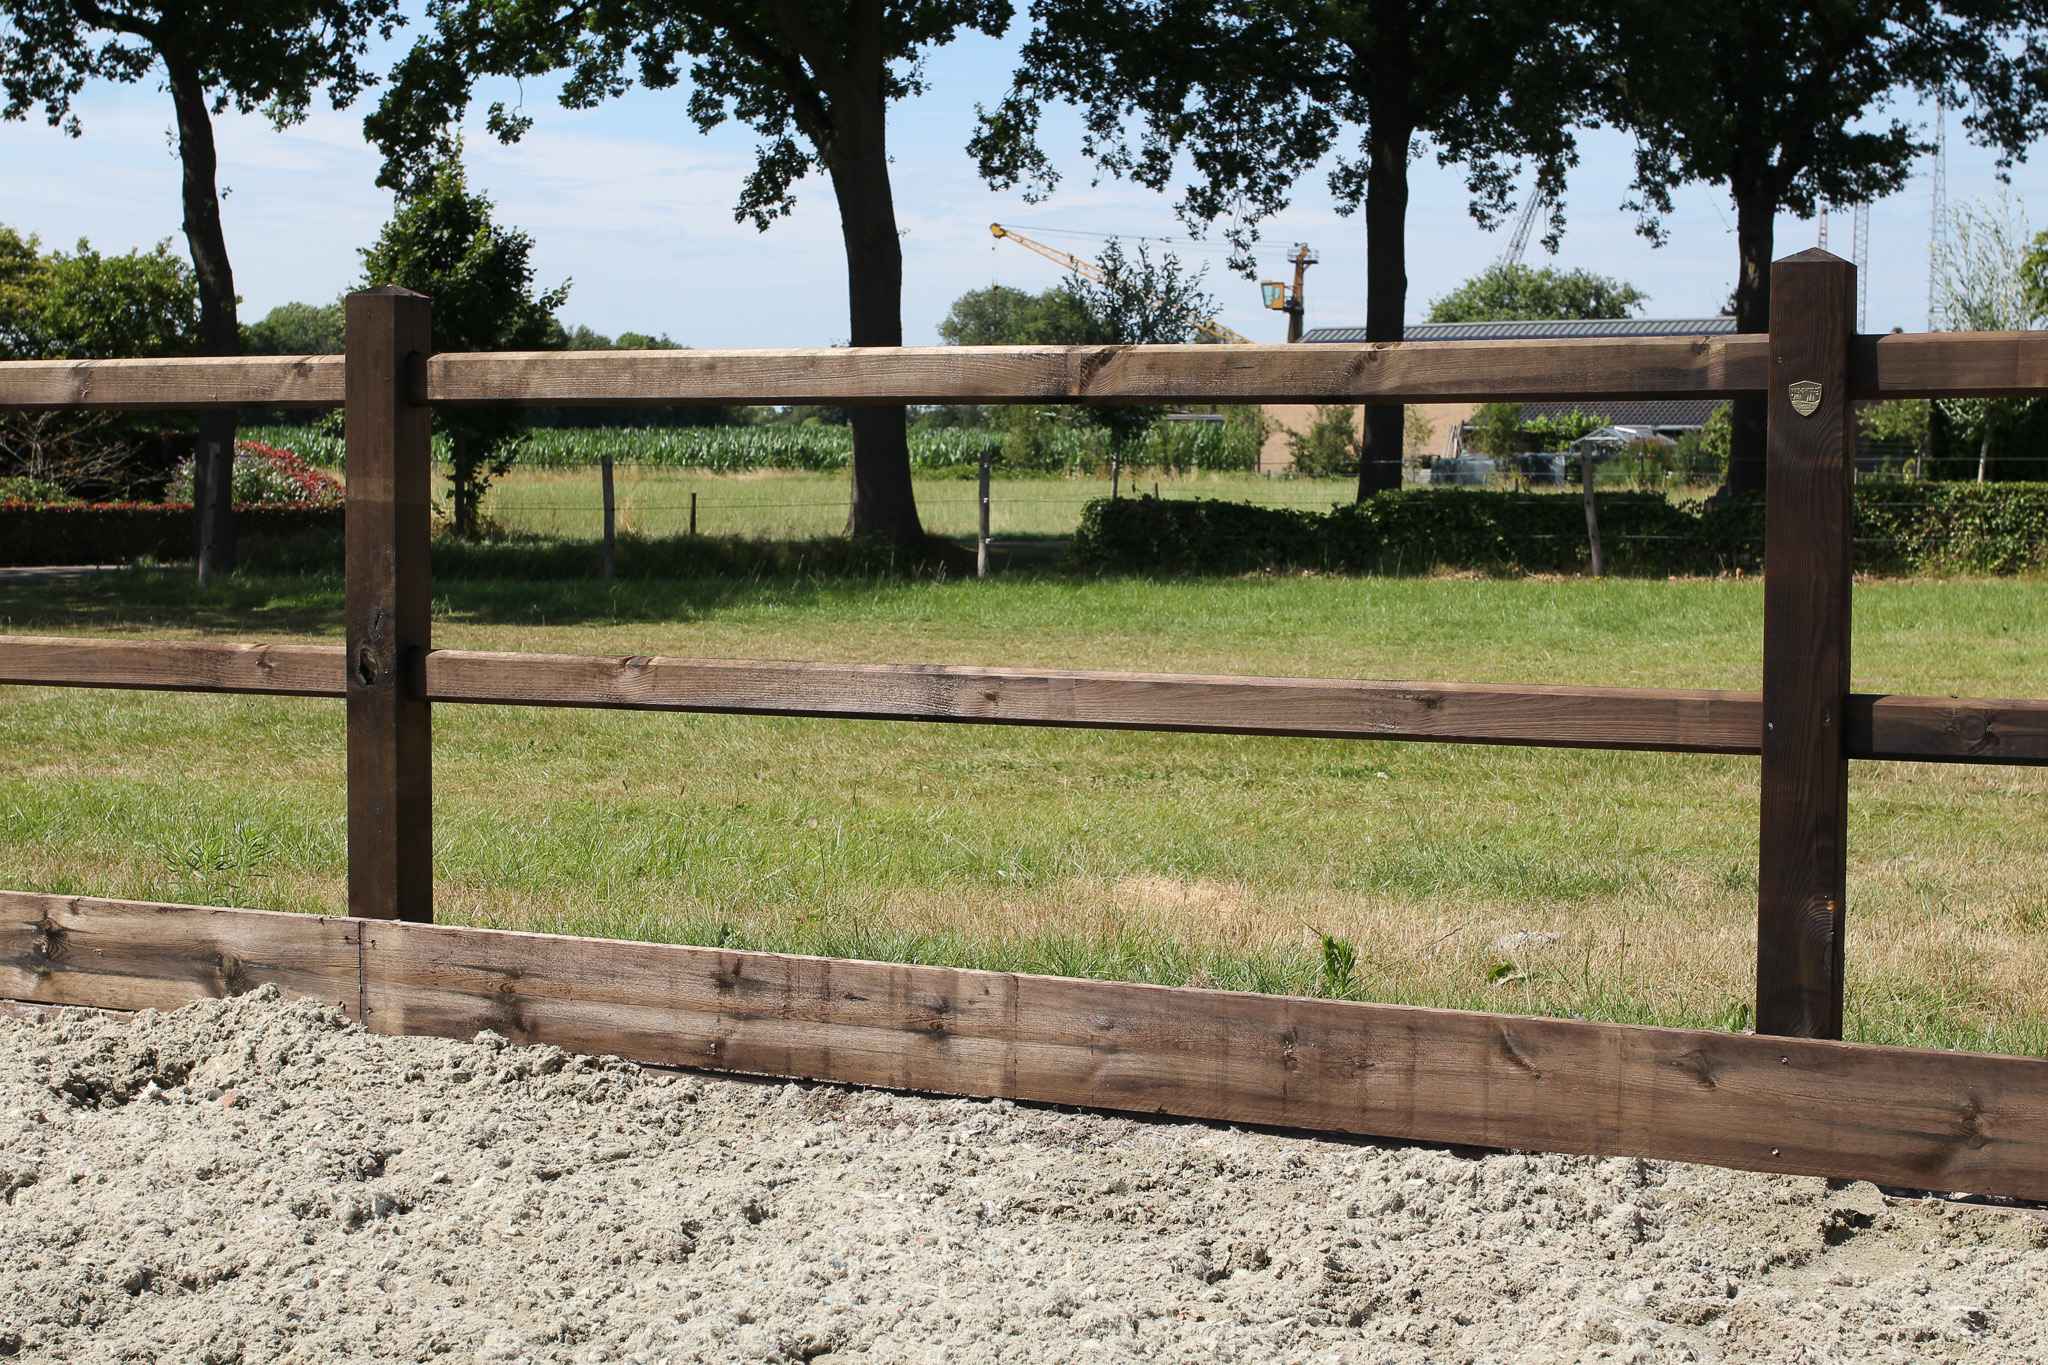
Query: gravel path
(257,1180)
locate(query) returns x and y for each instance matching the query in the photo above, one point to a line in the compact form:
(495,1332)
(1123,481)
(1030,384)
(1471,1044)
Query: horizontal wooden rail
(1897,1116)
(1681,720)
(1437,371)
(1956,365)
(303,381)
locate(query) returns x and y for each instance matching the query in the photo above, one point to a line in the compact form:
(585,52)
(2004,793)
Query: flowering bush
(267,476)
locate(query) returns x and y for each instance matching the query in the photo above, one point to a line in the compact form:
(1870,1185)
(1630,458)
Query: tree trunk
(1756,209)
(1386,293)
(883,503)
(213,457)
(462,488)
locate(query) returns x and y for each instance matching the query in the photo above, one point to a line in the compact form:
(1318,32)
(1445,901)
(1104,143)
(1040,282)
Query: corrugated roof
(1537,331)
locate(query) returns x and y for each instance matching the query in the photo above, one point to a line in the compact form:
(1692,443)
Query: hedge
(1900,528)
(122,532)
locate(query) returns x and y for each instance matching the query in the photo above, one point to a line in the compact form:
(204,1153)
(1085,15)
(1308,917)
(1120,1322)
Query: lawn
(1175,858)
(654,501)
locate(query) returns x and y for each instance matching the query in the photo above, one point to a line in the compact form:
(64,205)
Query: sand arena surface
(257,1180)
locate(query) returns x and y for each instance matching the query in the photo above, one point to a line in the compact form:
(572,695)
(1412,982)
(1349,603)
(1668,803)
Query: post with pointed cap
(1809,524)
(390,736)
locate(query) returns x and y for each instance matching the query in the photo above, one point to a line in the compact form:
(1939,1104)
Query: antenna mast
(1859,237)
(1937,237)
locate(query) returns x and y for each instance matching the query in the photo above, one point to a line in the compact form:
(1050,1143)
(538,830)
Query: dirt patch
(258,1180)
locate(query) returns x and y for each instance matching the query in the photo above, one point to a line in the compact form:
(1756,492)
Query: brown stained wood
(304,381)
(1694,720)
(390,730)
(1941,364)
(1940,729)
(173,665)
(1947,729)
(132,955)
(1436,371)
(1809,523)
(1899,1116)
(1949,365)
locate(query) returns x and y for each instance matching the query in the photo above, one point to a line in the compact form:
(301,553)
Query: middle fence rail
(1787,1100)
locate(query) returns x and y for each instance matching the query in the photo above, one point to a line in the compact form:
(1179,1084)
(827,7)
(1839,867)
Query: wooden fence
(1789,1098)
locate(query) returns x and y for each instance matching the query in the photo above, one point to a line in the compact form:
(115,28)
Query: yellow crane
(1208,326)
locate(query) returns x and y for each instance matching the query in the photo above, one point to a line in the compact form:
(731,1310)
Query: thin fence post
(981,534)
(390,734)
(1592,512)
(611,560)
(1809,526)
(693,514)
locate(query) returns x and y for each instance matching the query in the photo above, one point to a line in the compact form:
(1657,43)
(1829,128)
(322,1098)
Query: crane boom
(1066,259)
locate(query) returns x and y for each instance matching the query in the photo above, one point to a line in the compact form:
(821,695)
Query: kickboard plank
(1898,1116)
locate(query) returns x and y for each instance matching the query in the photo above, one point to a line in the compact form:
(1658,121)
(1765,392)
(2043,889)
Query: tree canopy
(1790,106)
(296,329)
(81,305)
(1252,94)
(1003,316)
(1521,293)
(444,243)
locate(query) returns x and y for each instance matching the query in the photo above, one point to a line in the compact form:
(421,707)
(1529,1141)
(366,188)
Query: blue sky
(635,206)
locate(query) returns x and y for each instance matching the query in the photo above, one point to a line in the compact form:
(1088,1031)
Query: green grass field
(772,504)
(1170,858)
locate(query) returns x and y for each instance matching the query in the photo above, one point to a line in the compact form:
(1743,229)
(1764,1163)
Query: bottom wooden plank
(132,955)
(1897,1116)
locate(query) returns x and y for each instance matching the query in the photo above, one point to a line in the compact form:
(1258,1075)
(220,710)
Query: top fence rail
(1928,365)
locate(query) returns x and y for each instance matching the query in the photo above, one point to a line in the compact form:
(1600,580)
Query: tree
(1137,303)
(1785,104)
(1520,293)
(1253,93)
(296,329)
(442,243)
(813,78)
(1002,316)
(214,55)
(80,305)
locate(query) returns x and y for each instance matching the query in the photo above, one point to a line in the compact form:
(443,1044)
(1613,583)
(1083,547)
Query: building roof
(1536,331)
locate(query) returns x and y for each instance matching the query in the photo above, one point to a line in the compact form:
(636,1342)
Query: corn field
(1046,447)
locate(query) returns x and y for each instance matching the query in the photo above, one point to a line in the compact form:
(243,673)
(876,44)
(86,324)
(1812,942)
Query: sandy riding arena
(258,1180)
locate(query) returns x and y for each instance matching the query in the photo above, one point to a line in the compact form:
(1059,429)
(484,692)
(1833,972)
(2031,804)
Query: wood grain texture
(1938,364)
(1899,1116)
(1947,729)
(173,665)
(1949,365)
(387,611)
(1602,717)
(296,381)
(1435,371)
(1937,729)
(1809,523)
(132,955)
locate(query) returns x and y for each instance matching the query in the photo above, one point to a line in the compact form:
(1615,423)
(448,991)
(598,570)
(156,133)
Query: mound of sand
(258,1180)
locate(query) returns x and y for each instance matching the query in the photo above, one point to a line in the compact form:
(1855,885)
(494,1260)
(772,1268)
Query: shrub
(121,533)
(1942,528)
(1330,445)
(267,476)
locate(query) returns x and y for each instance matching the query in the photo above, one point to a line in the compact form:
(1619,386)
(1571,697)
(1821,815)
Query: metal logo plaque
(1805,395)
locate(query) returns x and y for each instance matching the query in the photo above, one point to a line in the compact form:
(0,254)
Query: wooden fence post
(390,735)
(1808,531)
